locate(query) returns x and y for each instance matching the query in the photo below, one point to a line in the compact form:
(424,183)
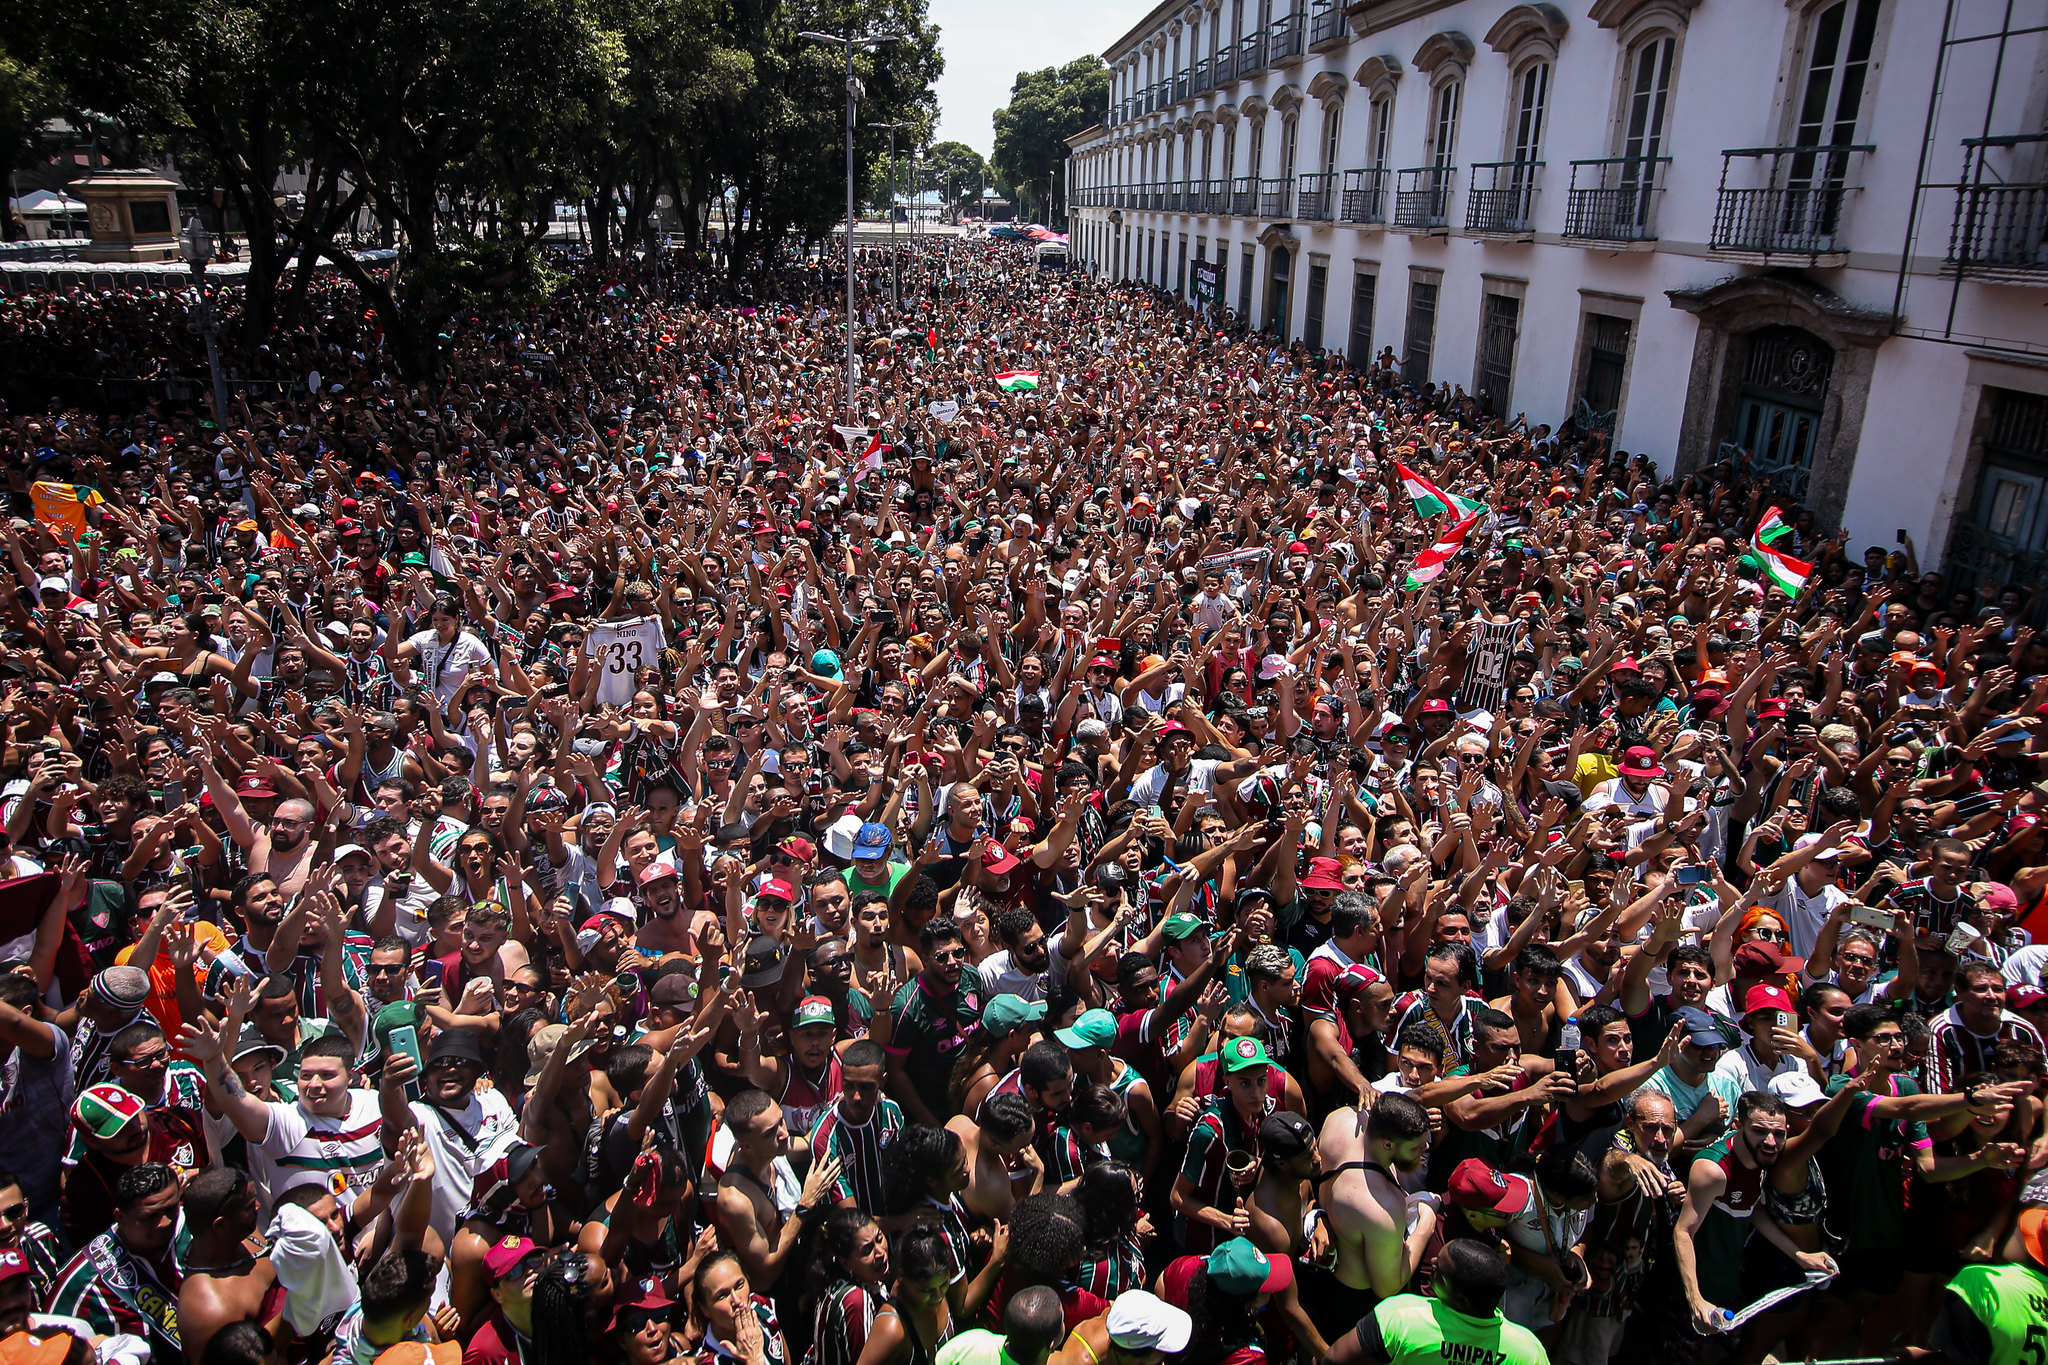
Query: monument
(133,216)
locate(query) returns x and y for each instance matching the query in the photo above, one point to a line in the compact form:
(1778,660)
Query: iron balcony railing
(1273,198)
(1365,196)
(2000,227)
(1223,70)
(1244,196)
(1502,196)
(1183,83)
(1315,200)
(1251,55)
(1422,198)
(1212,196)
(1794,205)
(1325,23)
(1289,38)
(1198,78)
(1614,199)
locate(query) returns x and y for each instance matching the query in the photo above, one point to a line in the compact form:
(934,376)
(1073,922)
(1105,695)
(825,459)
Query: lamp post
(850,42)
(195,244)
(654,247)
(895,281)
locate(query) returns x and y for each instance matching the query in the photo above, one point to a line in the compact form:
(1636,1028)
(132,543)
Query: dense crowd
(1134,844)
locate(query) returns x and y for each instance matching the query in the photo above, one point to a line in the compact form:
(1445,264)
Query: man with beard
(1363,1158)
(1722,1194)
(126,1279)
(397,897)
(282,848)
(467,1128)
(667,929)
(933,1014)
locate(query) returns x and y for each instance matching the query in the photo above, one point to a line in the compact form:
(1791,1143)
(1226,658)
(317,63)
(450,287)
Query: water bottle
(1568,1044)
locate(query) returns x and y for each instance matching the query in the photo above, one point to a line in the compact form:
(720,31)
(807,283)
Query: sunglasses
(1770,935)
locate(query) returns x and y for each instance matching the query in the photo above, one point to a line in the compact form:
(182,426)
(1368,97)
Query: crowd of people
(1133,843)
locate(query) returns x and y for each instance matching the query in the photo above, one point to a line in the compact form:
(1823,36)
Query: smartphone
(1899,536)
(405,1040)
(1870,916)
(174,795)
(430,973)
(1691,875)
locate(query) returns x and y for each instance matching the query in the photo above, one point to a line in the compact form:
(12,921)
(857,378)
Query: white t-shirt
(1151,785)
(622,649)
(446,667)
(342,1154)
(1805,915)
(2027,965)
(465,1142)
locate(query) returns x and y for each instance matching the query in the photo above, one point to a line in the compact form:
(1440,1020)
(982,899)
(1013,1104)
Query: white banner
(944,412)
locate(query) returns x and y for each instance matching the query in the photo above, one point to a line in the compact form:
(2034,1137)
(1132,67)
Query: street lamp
(195,244)
(895,283)
(850,42)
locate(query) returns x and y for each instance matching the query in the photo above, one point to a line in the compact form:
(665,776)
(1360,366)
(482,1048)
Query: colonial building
(1814,231)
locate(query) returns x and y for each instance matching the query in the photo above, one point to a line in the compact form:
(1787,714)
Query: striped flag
(1017,381)
(1782,569)
(870,459)
(1429,500)
(1431,562)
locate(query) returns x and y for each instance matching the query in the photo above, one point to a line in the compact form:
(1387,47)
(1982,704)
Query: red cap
(254,784)
(1324,874)
(1766,997)
(998,859)
(776,889)
(655,872)
(799,848)
(1763,959)
(1435,706)
(2019,996)
(12,1263)
(1102,661)
(1627,665)
(1476,1185)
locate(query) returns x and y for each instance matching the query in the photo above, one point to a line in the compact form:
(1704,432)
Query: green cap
(1241,1054)
(813,1009)
(1237,1267)
(1005,1014)
(1181,926)
(1095,1028)
(399,1014)
(415,558)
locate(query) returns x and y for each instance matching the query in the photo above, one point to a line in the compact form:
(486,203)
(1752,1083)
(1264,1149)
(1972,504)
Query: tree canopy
(1046,108)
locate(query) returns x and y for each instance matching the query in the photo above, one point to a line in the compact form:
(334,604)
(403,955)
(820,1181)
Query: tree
(1045,109)
(957,169)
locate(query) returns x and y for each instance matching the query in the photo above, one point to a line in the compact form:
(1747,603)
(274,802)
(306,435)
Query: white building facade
(1812,230)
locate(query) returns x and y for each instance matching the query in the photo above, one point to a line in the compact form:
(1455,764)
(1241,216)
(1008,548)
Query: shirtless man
(756,1184)
(228,1276)
(1284,1193)
(282,847)
(1366,1210)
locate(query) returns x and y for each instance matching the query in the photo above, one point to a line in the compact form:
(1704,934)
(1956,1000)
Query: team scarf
(1788,573)
(1430,563)
(1017,381)
(1429,500)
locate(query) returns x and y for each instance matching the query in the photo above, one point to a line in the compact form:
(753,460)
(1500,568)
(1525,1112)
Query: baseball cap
(1796,1088)
(1004,1014)
(873,841)
(765,957)
(1095,1028)
(1283,1133)
(13,1263)
(1181,926)
(507,1252)
(1137,1321)
(1435,706)
(1238,1267)
(350,851)
(1764,959)
(1241,1054)
(799,848)
(1700,1027)
(776,889)
(997,860)
(253,784)
(825,663)
(811,1011)
(1478,1185)
(657,872)
(542,1045)
(54,584)
(1826,855)
(2021,996)
(252,1043)
(104,1110)
(1766,997)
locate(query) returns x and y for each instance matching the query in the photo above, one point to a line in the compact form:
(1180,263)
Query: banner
(944,412)
(1208,277)
(1486,673)
(853,436)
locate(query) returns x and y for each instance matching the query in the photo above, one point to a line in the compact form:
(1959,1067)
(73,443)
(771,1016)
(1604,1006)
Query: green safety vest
(1416,1329)
(2012,1303)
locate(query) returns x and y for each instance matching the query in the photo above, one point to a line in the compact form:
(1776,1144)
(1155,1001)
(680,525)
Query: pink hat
(1324,874)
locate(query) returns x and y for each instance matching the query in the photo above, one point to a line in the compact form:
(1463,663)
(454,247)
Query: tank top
(803,1098)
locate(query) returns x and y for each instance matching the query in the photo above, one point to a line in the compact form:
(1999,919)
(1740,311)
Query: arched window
(1532,102)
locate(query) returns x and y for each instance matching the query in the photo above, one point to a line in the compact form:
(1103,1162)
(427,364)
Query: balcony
(1502,199)
(1244,196)
(1793,206)
(1251,55)
(1289,39)
(1315,200)
(1364,198)
(1614,199)
(1273,197)
(1422,199)
(1223,70)
(1183,83)
(2000,233)
(1326,26)
(1198,78)
(1212,196)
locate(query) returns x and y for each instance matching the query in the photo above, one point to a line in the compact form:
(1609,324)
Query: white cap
(345,850)
(839,836)
(1272,666)
(1809,840)
(1796,1088)
(1141,1321)
(54,584)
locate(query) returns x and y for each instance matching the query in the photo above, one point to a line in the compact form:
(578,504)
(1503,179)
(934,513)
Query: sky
(986,44)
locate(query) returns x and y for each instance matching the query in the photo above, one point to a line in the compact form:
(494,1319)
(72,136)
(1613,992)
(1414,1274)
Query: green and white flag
(1430,562)
(1788,573)
(1017,381)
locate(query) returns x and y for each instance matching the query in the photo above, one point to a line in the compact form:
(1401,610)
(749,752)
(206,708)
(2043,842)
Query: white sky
(987,44)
